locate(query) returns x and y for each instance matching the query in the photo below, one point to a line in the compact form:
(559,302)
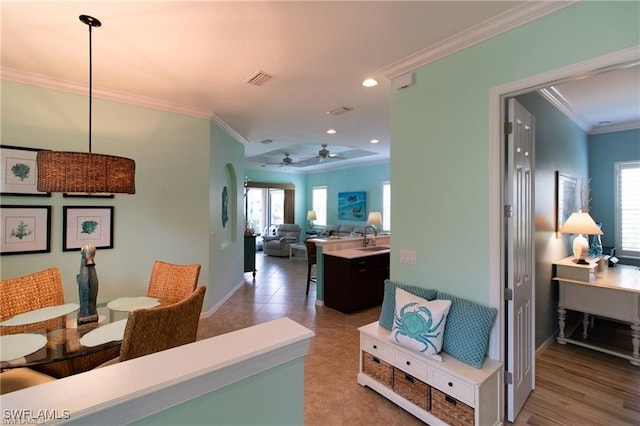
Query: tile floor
(332,395)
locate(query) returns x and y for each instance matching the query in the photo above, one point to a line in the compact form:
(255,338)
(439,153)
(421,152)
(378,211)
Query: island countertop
(353,253)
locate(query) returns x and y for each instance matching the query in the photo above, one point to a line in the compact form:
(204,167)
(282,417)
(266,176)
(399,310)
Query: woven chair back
(30,292)
(164,327)
(311,252)
(172,283)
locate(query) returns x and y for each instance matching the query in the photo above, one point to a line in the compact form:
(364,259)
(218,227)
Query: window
(627,188)
(386,206)
(319,204)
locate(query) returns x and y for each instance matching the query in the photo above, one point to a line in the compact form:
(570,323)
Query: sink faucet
(365,242)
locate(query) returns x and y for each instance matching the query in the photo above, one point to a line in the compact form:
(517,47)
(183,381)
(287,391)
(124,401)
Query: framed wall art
(87,225)
(352,205)
(566,198)
(25,229)
(18,171)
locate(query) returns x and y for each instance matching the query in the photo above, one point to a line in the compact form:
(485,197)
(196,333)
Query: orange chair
(172,283)
(27,293)
(160,328)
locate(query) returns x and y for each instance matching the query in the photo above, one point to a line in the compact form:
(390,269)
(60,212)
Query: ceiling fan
(324,153)
(286,160)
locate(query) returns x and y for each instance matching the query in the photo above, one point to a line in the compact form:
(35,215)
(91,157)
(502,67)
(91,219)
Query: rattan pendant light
(85,172)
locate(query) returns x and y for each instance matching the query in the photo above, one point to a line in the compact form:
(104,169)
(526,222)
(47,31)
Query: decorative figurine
(87,286)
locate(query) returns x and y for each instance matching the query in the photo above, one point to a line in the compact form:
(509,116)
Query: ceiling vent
(259,78)
(340,110)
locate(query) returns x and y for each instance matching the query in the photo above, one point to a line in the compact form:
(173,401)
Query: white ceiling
(195,58)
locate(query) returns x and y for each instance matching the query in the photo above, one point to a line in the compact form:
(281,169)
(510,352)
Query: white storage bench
(439,393)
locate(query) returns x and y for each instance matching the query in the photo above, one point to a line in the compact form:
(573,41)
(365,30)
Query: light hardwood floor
(574,386)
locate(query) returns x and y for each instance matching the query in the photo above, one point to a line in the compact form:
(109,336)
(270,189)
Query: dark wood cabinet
(250,254)
(354,284)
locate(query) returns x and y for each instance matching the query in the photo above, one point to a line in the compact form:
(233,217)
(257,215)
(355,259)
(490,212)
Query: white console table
(607,292)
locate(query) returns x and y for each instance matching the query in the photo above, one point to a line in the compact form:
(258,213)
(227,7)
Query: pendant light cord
(90,86)
(91,22)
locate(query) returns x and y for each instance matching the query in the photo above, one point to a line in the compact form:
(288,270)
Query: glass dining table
(50,340)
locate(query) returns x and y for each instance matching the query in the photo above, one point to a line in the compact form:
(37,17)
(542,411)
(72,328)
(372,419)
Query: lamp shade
(375,218)
(580,223)
(85,172)
(311,215)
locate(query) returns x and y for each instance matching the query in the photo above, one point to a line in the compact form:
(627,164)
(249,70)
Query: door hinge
(508,211)
(508,377)
(508,128)
(508,294)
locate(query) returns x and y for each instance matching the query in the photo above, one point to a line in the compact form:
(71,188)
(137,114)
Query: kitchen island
(347,248)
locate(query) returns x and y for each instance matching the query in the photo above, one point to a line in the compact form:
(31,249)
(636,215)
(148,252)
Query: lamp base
(580,262)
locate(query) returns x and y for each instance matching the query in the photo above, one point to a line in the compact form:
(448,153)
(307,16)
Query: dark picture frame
(566,198)
(352,205)
(25,229)
(87,195)
(82,225)
(19,172)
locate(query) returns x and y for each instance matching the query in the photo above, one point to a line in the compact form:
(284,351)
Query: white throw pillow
(419,324)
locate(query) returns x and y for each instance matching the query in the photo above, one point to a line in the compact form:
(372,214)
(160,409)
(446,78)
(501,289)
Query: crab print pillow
(418,324)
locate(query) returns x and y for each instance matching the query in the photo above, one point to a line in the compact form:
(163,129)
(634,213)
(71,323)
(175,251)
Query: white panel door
(519,232)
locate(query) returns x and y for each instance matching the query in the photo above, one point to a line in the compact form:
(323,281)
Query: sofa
(278,244)
(341,230)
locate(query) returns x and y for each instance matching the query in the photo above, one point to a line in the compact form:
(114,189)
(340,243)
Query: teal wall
(605,150)
(167,218)
(274,397)
(440,146)
(366,178)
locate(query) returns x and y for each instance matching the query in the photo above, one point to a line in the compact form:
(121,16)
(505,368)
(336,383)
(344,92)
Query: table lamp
(580,223)
(311,216)
(374,219)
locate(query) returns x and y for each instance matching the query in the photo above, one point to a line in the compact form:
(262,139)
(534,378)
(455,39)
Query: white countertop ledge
(127,391)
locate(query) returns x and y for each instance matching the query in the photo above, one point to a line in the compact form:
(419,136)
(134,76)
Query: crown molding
(39,80)
(564,107)
(492,27)
(621,127)
(237,136)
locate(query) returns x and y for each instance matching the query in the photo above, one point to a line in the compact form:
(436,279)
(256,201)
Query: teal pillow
(466,335)
(389,300)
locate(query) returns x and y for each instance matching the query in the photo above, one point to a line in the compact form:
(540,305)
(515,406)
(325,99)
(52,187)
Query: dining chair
(172,283)
(311,260)
(27,293)
(163,327)
(20,378)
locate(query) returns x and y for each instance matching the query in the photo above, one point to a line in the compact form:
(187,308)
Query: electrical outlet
(408,257)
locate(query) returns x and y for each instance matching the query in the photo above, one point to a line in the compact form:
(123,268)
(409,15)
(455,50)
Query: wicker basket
(450,409)
(378,369)
(412,389)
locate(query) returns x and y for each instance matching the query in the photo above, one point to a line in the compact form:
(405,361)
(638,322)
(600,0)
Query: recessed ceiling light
(374,141)
(266,141)
(370,82)
(331,131)
(605,123)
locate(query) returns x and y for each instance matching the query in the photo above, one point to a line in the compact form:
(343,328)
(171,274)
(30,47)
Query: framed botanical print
(18,171)
(25,229)
(87,225)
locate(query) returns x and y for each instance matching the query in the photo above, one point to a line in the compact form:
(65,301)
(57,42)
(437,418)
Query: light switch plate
(408,257)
